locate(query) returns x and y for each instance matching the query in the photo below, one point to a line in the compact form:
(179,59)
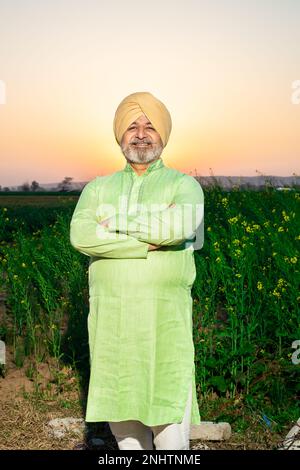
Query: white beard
(135,154)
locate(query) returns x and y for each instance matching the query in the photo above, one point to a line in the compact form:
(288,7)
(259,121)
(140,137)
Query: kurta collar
(156,165)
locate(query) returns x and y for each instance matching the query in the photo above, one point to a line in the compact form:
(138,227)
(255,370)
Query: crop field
(245,296)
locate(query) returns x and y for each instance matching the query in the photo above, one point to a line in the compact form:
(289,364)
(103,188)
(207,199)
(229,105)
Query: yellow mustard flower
(285,216)
(233,220)
(276,293)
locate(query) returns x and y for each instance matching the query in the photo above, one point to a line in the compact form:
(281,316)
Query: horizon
(195,175)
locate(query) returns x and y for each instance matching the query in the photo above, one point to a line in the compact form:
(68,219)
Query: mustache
(134,142)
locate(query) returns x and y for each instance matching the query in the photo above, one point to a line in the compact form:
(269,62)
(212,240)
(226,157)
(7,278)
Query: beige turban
(137,104)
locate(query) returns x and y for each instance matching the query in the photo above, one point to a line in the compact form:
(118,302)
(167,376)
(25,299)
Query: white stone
(210,431)
(58,427)
(292,439)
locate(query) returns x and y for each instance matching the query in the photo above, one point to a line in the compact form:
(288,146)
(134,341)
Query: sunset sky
(224,69)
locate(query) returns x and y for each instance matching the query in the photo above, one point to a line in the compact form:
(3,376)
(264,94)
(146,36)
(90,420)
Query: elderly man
(140,226)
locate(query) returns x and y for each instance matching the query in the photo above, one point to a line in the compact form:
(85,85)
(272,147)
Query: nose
(141,132)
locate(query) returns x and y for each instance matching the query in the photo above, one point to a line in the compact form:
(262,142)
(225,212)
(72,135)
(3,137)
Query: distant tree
(0,187)
(35,186)
(66,184)
(6,188)
(25,187)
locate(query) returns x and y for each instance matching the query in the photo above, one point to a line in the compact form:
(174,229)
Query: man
(138,226)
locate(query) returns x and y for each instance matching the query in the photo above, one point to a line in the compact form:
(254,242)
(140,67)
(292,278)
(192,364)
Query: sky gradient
(223,68)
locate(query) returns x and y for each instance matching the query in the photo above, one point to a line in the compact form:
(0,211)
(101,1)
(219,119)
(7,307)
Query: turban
(137,104)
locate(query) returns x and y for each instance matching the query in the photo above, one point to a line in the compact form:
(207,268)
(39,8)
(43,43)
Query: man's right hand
(152,247)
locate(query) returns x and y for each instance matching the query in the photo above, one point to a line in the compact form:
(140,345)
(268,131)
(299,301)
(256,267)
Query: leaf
(219,382)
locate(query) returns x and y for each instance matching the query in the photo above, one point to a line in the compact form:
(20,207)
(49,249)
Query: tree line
(64,185)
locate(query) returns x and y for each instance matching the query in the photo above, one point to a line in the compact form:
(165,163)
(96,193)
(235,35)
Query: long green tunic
(140,318)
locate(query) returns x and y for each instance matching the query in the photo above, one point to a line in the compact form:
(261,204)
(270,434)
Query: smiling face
(141,143)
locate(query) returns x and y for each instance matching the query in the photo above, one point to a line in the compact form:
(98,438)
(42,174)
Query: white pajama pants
(134,435)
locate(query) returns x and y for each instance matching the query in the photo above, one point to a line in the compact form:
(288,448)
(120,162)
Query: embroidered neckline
(156,165)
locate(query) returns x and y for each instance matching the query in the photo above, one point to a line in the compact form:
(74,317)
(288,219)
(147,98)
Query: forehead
(141,120)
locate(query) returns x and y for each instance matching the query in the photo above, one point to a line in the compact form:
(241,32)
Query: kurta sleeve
(88,237)
(170,226)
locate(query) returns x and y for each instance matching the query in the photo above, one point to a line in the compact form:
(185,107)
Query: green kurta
(140,319)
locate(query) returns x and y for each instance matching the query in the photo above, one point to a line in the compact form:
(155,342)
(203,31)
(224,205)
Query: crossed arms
(132,236)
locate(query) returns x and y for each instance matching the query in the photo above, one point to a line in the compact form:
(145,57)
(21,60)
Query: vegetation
(246,297)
